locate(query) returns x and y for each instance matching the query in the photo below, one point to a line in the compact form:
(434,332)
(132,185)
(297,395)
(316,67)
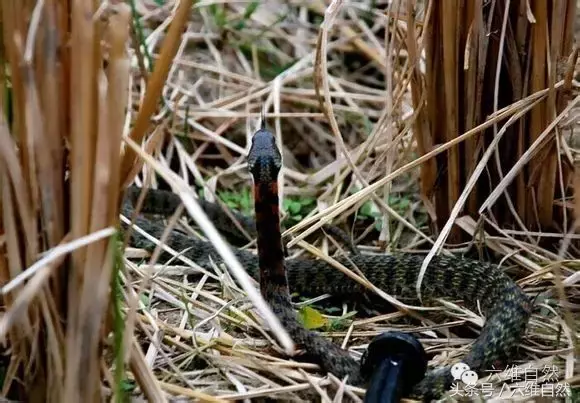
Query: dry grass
(369,130)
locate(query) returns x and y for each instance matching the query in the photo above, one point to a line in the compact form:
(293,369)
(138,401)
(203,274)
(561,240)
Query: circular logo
(469,377)
(458,369)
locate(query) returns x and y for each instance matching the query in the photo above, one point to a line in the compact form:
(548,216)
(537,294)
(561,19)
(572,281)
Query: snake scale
(480,285)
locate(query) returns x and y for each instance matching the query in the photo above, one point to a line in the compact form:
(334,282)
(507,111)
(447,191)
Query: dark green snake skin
(505,306)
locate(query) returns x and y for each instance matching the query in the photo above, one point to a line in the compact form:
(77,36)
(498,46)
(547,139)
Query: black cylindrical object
(395,362)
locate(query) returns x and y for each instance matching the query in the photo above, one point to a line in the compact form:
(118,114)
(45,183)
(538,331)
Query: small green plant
(144,299)
(218,11)
(341,323)
(139,31)
(369,210)
(237,22)
(241,24)
(127,386)
(233,26)
(238,200)
(297,208)
(312,318)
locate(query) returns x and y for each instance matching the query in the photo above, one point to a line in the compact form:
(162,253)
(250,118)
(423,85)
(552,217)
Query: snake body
(480,285)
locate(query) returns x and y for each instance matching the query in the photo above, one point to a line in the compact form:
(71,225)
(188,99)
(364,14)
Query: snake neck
(270,251)
(274,288)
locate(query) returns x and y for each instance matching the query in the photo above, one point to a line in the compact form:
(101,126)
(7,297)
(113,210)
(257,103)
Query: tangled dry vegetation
(202,75)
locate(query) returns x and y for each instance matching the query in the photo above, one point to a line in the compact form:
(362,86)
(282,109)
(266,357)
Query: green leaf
(294,207)
(405,203)
(240,25)
(219,14)
(338,325)
(341,323)
(311,318)
(366,209)
(245,201)
(291,206)
(253,6)
(144,299)
(307,201)
(401,204)
(127,385)
(232,204)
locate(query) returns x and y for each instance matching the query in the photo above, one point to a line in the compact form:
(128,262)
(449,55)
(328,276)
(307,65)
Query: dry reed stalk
(155,85)
(464,43)
(60,191)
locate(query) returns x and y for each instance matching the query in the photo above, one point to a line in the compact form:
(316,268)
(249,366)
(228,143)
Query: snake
(480,285)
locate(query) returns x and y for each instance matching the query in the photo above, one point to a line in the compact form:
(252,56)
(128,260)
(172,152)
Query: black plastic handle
(396,362)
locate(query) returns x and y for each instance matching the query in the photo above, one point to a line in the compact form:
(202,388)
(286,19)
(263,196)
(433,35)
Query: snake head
(264,159)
